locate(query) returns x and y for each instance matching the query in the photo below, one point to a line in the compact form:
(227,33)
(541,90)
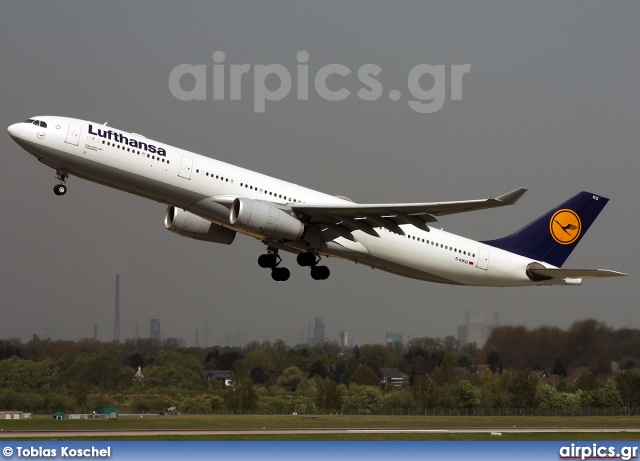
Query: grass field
(215,423)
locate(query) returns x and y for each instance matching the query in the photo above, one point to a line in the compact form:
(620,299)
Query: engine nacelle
(189,225)
(265,219)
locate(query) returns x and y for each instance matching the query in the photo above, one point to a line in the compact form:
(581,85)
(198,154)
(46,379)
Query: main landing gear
(272,260)
(60,189)
(311,260)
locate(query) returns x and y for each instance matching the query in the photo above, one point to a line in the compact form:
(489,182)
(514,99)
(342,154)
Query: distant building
(475,332)
(545,377)
(224,376)
(154,329)
(14,415)
(344,339)
(318,332)
(393,377)
(576,374)
(393,338)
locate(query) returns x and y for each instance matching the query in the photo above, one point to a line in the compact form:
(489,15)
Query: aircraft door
(73,135)
(186,164)
(483,259)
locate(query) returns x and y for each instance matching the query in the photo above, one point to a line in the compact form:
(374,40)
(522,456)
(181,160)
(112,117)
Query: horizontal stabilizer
(575,273)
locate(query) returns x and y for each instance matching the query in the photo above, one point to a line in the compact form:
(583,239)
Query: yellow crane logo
(565,226)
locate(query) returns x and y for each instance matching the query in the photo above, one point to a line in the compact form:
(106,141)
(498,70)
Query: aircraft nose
(15,130)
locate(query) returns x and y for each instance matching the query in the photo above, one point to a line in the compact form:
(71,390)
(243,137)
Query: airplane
(213,201)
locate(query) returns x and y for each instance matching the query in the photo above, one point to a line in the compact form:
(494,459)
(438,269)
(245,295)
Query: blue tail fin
(553,236)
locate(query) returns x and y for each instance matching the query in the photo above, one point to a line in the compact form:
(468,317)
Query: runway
(266,432)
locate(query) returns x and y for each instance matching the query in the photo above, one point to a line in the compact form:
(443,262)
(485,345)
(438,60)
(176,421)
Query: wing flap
(431,208)
(388,215)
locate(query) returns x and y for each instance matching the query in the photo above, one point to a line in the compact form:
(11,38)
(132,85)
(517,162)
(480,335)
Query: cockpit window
(36,122)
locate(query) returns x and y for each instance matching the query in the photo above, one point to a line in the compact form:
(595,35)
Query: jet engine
(189,225)
(265,219)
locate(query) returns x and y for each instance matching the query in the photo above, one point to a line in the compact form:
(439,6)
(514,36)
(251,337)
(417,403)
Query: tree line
(518,369)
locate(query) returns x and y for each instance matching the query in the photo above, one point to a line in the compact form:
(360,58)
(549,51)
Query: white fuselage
(186,180)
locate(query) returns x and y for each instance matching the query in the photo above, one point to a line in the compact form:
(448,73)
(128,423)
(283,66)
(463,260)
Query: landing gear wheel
(268,260)
(320,273)
(272,260)
(60,189)
(306,259)
(280,274)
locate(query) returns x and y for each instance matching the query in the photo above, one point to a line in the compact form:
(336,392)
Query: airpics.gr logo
(565,226)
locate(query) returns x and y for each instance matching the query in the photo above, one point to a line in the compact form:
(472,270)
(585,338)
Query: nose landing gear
(60,189)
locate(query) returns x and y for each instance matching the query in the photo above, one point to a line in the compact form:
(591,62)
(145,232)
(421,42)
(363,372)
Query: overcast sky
(550,103)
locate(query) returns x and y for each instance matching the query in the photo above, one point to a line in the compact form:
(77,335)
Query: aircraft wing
(342,219)
(575,273)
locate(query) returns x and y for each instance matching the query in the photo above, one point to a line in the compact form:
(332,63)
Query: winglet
(512,197)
